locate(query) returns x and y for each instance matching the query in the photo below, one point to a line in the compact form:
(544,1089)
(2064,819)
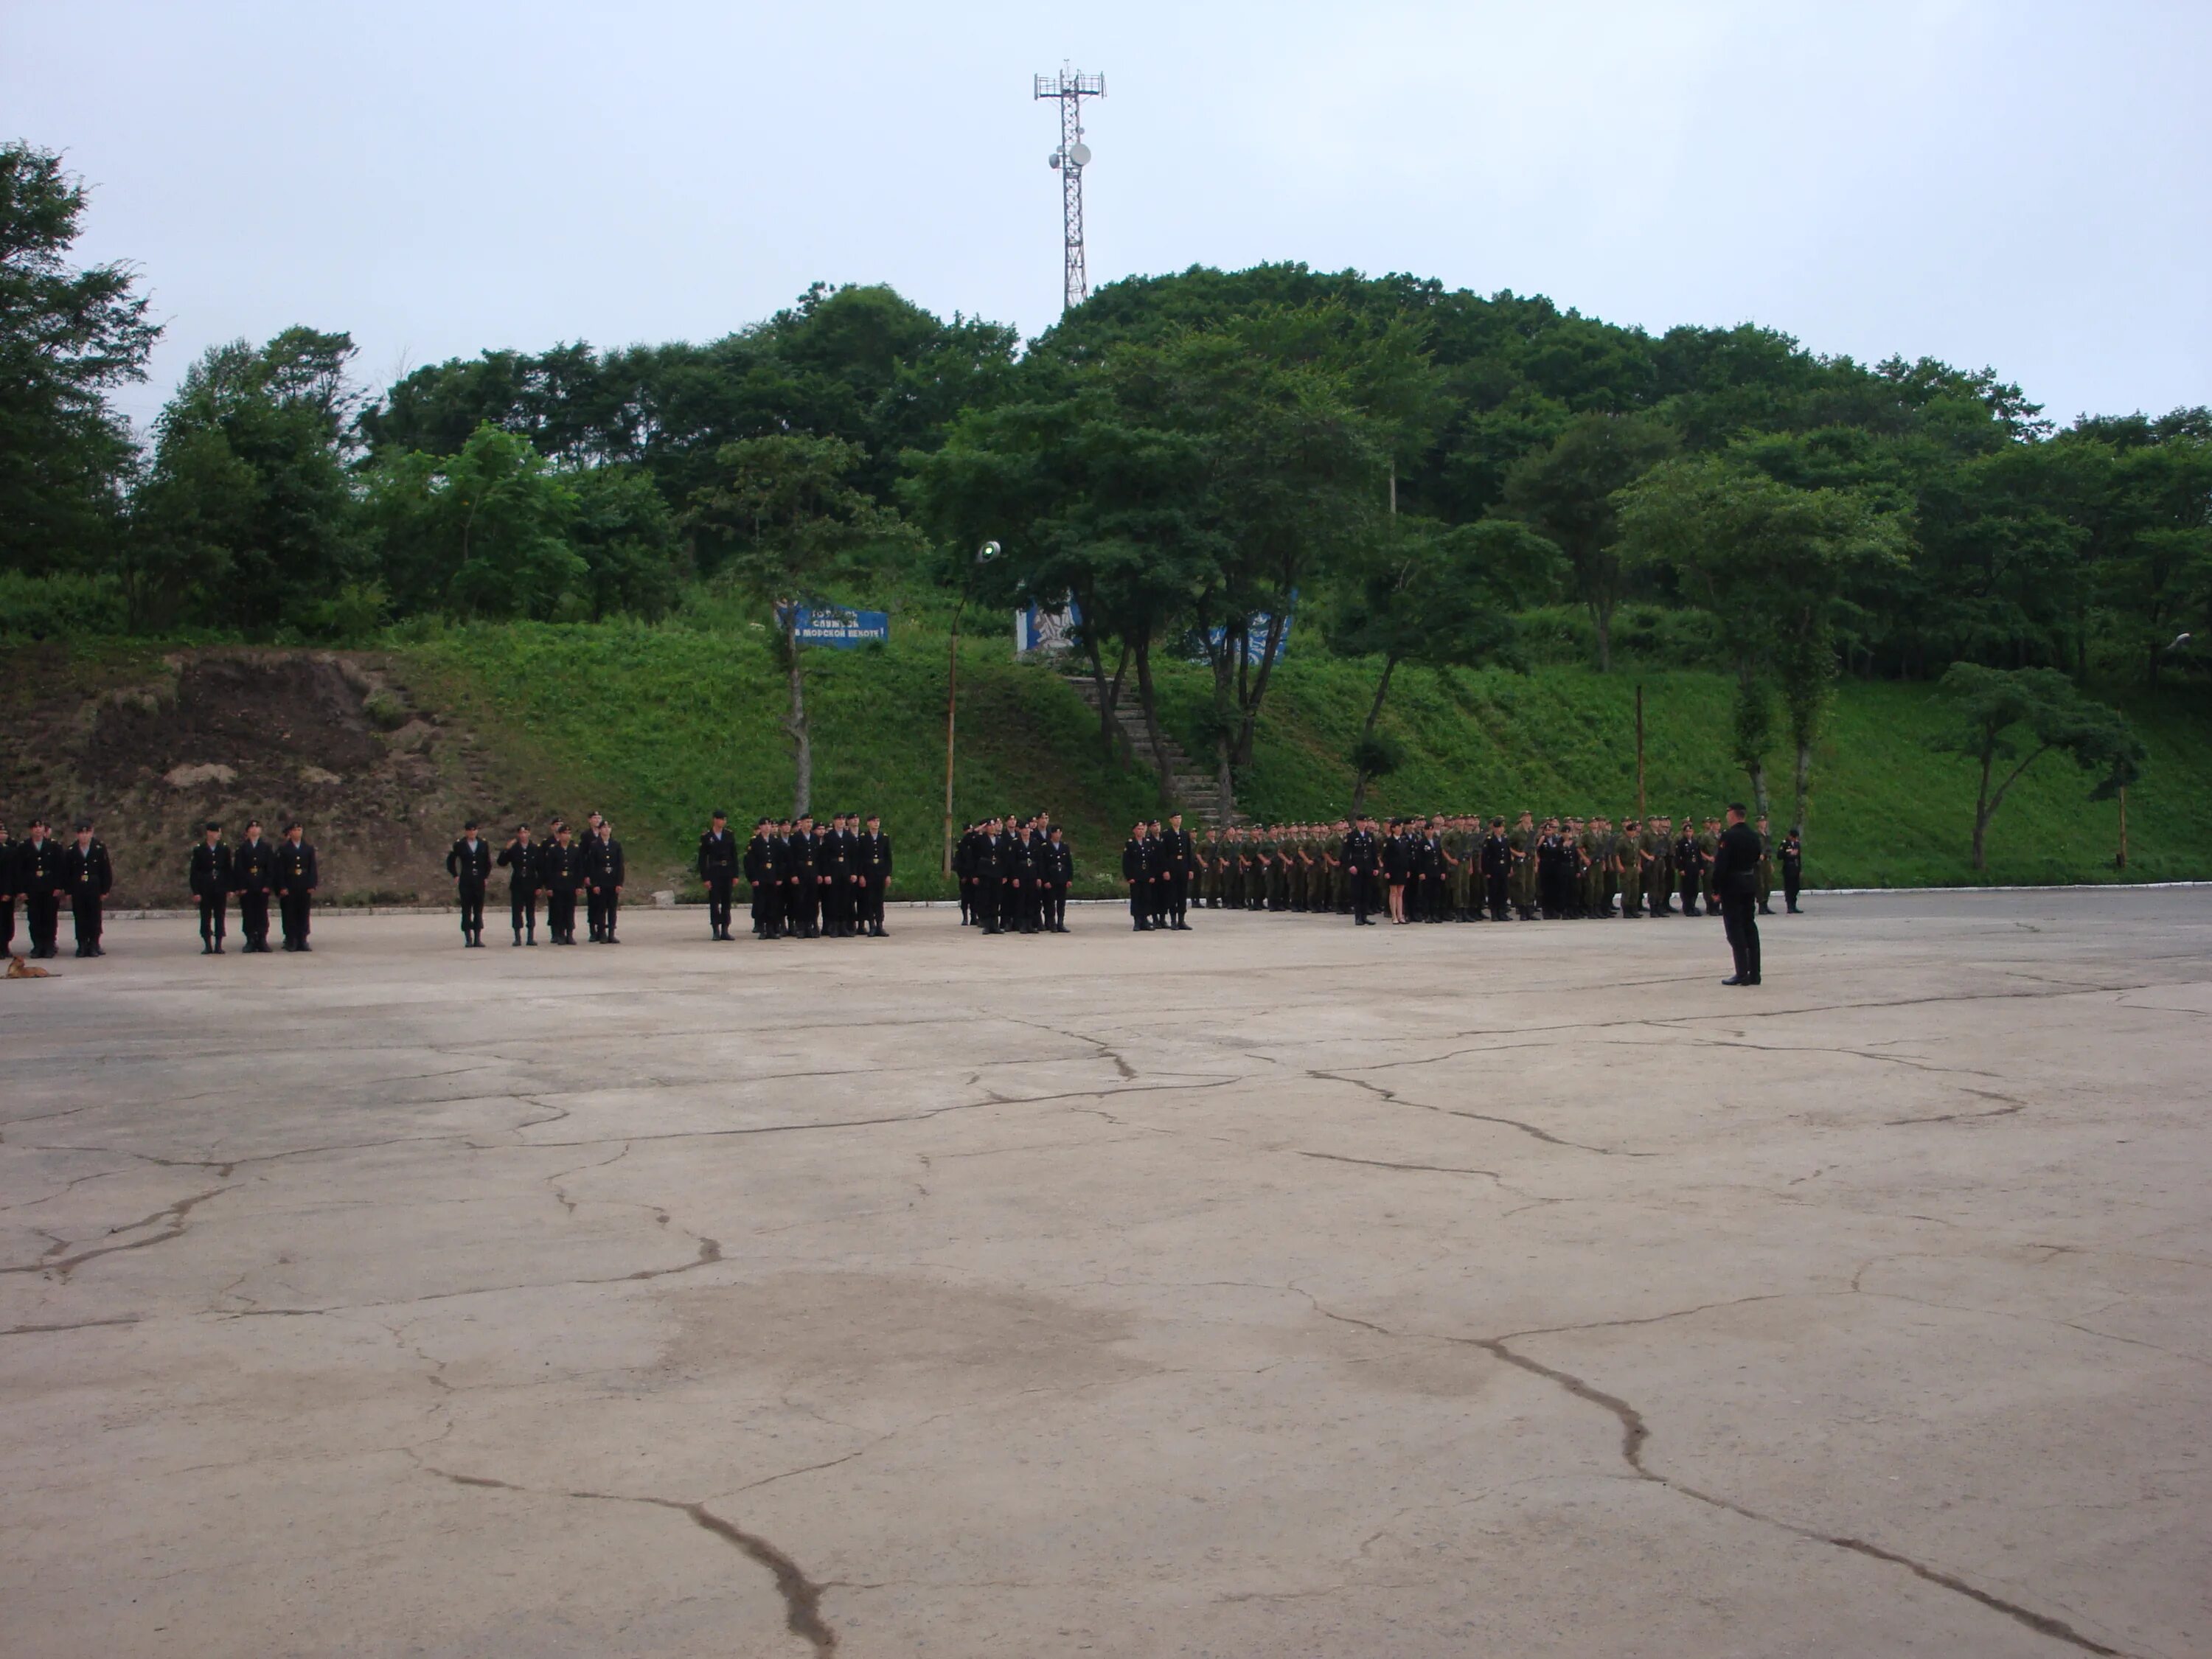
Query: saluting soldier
(1136,873)
(469,864)
(87,876)
(209,878)
(875,875)
(1765,867)
(1709,849)
(1658,868)
(1689,865)
(1793,870)
(253,878)
(1178,857)
(1058,874)
(718,868)
(296,881)
(1497,858)
(560,869)
(520,858)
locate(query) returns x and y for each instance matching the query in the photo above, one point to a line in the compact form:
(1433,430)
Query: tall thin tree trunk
(802,740)
(1224,781)
(1981,811)
(1143,651)
(1602,612)
(1804,784)
(1367,731)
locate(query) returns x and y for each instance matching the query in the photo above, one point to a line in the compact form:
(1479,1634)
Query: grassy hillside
(660,724)
(1885,809)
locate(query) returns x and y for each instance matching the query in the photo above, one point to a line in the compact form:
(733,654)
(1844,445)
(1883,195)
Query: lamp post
(984,555)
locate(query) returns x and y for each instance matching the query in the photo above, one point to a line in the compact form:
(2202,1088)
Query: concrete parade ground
(1277,1289)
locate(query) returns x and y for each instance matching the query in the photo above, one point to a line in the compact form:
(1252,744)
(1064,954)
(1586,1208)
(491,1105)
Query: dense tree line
(1410,470)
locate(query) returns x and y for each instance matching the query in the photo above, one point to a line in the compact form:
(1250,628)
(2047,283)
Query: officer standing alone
(211,878)
(718,868)
(87,876)
(1735,878)
(469,864)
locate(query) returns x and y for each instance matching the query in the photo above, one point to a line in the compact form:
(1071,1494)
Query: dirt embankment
(330,737)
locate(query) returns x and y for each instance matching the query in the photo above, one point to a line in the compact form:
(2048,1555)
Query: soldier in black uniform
(469,864)
(1017,879)
(875,875)
(1058,873)
(87,875)
(39,878)
(8,891)
(520,858)
(988,865)
(561,873)
(1793,870)
(1178,858)
(760,868)
(211,878)
(1136,870)
(604,870)
(802,897)
(253,878)
(718,868)
(1497,868)
(296,880)
(838,875)
(1689,865)
(1735,880)
(1360,855)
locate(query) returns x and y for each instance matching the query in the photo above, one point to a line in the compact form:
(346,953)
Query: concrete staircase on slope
(1188,785)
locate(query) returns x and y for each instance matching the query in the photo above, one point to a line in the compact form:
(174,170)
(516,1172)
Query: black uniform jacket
(296,868)
(1735,862)
(718,856)
(875,858)
(470,863)
(520,863)
(210,870)
(1136,862)
(602,862)
(253,867)
(38,866)
(560,869)
(1060,863)
(86,871)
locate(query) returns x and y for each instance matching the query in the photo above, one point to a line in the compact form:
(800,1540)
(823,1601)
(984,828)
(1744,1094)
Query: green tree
(1431,595)
(1771,562)
(67,336)
(796,520)
(2023,715)
(1566,490)
(246,517)
(483,532)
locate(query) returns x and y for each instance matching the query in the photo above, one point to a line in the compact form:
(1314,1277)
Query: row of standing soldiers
(1014,874)
(809,879)
(559,870)
(1446,868)
(47,874)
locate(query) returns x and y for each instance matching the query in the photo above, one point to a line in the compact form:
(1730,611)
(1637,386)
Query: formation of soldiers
(560,870)
(809,878)
(1013,874)
(1445,868)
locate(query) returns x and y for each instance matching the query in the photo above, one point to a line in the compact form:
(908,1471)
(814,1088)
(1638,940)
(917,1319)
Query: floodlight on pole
(1071,88)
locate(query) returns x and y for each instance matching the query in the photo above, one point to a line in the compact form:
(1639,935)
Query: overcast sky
(2018,185)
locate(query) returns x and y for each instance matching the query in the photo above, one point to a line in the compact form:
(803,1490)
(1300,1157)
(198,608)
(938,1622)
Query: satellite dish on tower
(1053,159)
(1078,154)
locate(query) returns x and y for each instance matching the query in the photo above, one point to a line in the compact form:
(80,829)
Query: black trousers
(84,916)
(1689,896)
(41,919)
(561,915)
(1055,904)
(1174,895)
(1362,893)
(768,909)
(6,924)
(1792,884)
(1493,889)
(1740,915)
(594,912)
(253,916)
(472,898)
(871,903)
(213,909)
(293,912)
(804,900)
(609,902)
(718,902)
(1140,902)
(522,908)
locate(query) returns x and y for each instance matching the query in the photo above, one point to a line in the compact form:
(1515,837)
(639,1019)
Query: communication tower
(1071,88)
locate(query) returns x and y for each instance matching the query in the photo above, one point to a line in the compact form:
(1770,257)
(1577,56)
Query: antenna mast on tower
(1071,88)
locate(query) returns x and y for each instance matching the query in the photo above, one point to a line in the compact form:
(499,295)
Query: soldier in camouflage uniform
(1522,885)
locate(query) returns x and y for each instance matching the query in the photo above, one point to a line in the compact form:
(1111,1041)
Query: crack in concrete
(1384,1163)
(802,1597)
(79,1325)
(175,1218)
(1635,1434)
(1545,1135)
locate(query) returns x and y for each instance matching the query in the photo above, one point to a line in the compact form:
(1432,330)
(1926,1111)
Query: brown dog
(19,968)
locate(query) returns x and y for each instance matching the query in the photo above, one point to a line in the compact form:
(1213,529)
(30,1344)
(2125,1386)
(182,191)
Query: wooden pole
(2124,827)
(951,706)
(1639,751)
